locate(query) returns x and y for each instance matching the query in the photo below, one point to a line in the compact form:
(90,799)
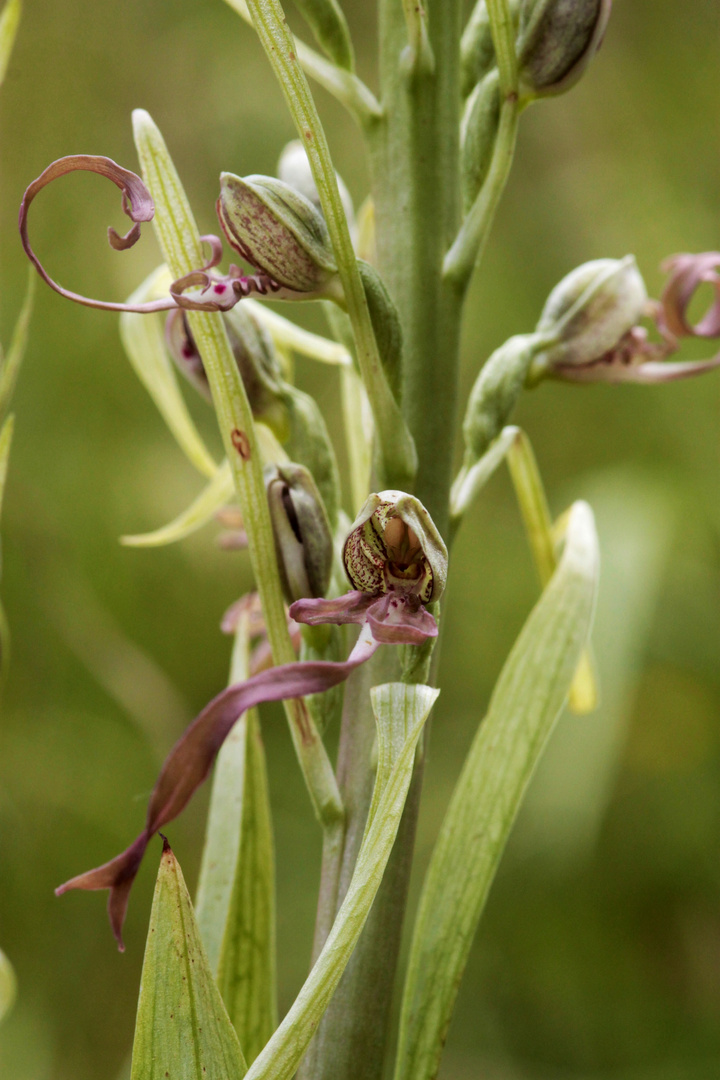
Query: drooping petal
(652,371)
(136,203)
(351,607)
(192,757)
(687,273)
(401,619)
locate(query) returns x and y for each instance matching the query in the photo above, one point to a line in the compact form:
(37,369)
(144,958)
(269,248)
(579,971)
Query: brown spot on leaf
(241,443)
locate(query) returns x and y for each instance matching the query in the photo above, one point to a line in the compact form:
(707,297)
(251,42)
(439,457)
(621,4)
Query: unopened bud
(556,42)
(479,131)
(252,349)
(278,231)
(590,312)
(294,169)
(393,544)
(303,541)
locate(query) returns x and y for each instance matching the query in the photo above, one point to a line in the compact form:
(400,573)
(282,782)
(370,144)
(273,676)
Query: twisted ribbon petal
(687,273)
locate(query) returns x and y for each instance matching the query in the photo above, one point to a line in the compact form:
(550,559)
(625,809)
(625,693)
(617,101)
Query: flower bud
(294,169)
(556,42)
(303,541)
(590,311)
(479,131)
(393,544)
(278,231)
(254,355)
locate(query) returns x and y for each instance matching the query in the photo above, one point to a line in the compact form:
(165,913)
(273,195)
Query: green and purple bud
(279,232)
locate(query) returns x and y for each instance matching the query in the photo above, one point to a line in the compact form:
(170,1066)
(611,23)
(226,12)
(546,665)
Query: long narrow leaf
(16,352)
(143,341)
(9,21)
(525,704)
(5,442)
(400,713)
(8,986)
(211,499)
(236,891)
(182,1029)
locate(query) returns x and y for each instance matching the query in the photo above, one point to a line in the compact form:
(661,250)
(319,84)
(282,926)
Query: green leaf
(6,434)
(8,986)
(9,21)
(400,713)
(5,442)
(236,891)
(144,342)
(13,360)
(202,510)
(182,1029)
(524,706)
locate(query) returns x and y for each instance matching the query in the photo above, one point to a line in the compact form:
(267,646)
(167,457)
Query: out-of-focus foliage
(599,956)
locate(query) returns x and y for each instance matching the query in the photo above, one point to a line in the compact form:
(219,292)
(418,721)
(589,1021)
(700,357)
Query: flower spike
(136,203)
(406,569)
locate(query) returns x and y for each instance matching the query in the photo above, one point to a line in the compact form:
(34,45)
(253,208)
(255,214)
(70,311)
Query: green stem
(180,242)
(344,85)
(415,151)
(397,452)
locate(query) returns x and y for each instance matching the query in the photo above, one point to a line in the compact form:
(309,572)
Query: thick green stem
(397,453)
(417,202)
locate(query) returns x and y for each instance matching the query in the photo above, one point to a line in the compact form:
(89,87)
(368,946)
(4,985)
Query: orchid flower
(397,562)
(272,226)
(593,316)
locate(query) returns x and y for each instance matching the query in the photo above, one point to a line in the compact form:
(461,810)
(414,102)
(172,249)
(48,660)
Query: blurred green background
(599,956)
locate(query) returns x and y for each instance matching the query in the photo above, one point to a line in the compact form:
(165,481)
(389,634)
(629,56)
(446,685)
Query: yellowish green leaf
(525,704)
(182,1029)
(9,21)
(143,339)
(202,510)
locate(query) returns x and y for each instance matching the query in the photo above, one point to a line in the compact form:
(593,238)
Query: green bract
(393,543)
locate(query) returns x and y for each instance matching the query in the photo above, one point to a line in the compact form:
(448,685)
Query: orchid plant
(392,281)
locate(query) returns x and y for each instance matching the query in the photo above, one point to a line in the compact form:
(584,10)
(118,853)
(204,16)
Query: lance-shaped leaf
(524,706)
(400,713)
(8,986)
(202,510)
(182,1029)
(236,891)
(12,361)
(144,342)
(9,22)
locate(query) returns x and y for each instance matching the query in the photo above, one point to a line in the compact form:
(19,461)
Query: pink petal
(351,607)
(192,757)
